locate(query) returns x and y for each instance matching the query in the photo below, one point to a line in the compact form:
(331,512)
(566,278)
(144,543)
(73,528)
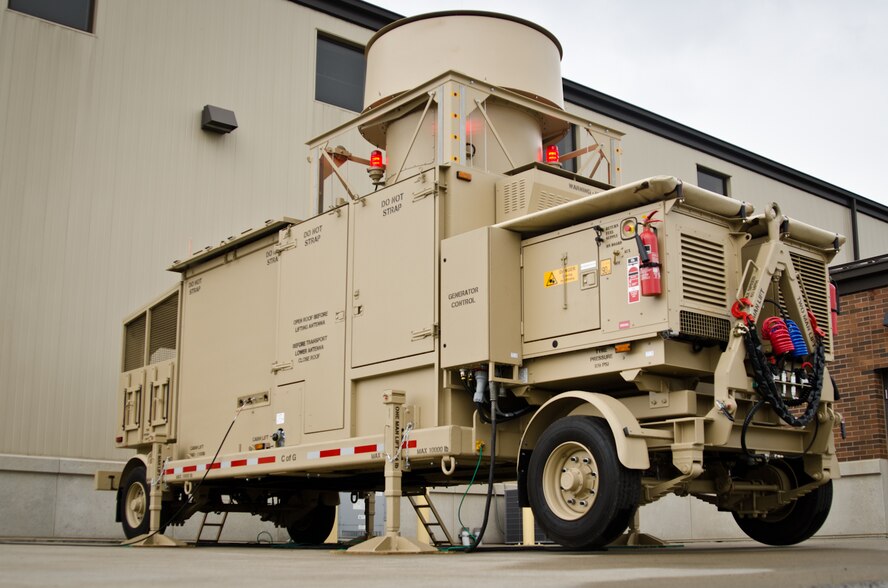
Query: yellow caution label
(560,276)
(605,267)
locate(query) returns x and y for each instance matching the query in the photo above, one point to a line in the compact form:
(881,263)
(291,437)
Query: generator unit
(464,297)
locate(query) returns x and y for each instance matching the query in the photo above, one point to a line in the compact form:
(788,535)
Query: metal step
(434,520)
(218,524)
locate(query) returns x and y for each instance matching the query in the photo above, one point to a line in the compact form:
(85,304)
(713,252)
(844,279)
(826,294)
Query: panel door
(561,294)
(393,298)
(311,322)
(160,401)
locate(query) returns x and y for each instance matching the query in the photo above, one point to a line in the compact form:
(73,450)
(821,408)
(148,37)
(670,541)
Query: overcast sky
(802,82)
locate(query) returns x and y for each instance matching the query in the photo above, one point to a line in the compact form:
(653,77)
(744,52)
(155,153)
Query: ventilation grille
(162,342)
(548,200)
(701,326)
(816,291)
(515,196)
(703,271)
(134,344)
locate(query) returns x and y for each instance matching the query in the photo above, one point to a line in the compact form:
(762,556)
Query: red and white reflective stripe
(340,451)
(220,465)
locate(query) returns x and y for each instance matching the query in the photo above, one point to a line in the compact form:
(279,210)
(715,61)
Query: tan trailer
(463,296)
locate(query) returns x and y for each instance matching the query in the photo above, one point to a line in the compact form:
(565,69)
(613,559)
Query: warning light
(628,229)
(376,159)
(376,169)
(552,155)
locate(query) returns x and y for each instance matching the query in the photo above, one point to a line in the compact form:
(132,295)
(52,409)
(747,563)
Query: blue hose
(798,341)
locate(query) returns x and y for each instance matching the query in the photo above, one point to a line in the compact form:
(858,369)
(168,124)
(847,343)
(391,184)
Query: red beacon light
(376,159)
(552,155)
(377,167)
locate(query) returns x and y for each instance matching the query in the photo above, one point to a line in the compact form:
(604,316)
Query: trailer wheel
(315,526)
(133,505)
(580,493)
(795,522)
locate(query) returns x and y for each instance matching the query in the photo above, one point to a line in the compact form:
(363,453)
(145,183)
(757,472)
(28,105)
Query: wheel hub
(136,505)
(570,480)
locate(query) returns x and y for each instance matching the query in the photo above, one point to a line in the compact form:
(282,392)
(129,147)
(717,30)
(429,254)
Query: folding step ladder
(219,523)
(434,519)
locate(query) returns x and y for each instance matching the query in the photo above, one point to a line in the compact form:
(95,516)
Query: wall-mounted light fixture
(217,120)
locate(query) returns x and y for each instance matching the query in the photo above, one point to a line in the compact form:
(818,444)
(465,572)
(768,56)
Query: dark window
(339,74)
(712,180)
(567,144)
(77,14)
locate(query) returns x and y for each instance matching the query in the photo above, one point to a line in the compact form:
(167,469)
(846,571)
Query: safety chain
(763,375)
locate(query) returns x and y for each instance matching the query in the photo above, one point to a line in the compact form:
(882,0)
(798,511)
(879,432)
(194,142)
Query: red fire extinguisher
(649,251)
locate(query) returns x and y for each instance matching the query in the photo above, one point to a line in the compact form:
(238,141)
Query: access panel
(561,294)
(393,297)
(311,335)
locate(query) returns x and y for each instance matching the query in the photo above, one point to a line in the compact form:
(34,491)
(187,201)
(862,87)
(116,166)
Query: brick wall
(861,349)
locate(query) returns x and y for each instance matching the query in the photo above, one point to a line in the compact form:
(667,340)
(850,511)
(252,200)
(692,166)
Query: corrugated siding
(646,155)
(106,177)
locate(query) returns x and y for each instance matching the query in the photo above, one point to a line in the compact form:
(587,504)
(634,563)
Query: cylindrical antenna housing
(495,49)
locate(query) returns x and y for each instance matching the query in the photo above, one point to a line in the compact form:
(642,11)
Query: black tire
(314,527)
(795,522)
(580,493)
(133,504)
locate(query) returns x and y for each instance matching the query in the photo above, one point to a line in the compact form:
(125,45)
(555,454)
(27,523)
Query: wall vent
(549,200)
(134,343)
(162,341)
(815,287)
(704,327)
(703,276)
(515,196)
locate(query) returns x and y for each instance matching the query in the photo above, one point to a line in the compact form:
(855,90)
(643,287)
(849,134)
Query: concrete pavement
(818,562)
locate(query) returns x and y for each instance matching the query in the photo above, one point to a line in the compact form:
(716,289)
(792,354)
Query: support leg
(154,538)
(392,542)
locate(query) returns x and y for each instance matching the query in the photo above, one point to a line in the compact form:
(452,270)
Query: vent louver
(703,272)
(134,343)
(814,284)
(704,327)
(549,200)
(515,196)
(162,341)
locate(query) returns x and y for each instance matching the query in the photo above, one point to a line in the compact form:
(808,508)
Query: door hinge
(425,192)
(281,247)
(280,366)
(424,333)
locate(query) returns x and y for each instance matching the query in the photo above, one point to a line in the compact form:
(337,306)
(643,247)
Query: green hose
(469,487)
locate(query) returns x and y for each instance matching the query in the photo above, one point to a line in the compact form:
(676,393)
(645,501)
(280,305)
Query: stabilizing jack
(635,538)
(392,542)
(154,538)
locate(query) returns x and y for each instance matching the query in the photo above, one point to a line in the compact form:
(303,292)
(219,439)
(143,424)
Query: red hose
(775,331)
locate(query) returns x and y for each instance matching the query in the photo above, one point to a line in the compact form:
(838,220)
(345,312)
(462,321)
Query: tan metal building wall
(106,177)
(646,154)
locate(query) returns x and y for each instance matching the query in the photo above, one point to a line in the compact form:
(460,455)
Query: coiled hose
(798,341)
(767,388)
(774,329)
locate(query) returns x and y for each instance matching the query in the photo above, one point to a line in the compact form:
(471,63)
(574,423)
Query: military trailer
(463,297)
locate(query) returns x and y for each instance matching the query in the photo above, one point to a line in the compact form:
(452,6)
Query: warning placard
(560,276)
(633,282)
